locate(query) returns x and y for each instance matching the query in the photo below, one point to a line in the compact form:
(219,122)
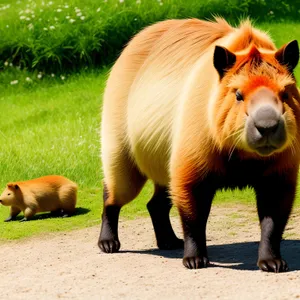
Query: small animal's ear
(288,55)
(12,185)
(223,60)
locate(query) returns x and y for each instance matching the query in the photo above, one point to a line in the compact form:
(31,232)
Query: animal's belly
(149,137)
(153,161)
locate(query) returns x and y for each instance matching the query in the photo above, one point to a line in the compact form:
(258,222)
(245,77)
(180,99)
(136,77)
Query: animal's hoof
(8,219)
(171,244)
(109,246)
(275,265)
(196,262)
(23,220)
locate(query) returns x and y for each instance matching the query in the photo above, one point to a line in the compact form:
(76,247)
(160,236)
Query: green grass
(51,126)
(55,35)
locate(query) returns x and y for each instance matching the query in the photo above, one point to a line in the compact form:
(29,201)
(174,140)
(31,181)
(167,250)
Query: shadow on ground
(238,256)
(41,216)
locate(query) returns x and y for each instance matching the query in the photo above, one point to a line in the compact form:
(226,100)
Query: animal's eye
(8,194)
(239,96)
(284,96)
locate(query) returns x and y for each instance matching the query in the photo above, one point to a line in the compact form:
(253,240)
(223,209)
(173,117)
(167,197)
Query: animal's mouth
(266,150)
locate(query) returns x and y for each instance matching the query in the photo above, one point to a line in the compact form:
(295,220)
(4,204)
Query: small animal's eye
(239,96)
(284,96)
(8,194)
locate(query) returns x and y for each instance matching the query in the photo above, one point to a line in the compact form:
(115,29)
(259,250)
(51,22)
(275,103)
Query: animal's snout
(265,130)
(266,120)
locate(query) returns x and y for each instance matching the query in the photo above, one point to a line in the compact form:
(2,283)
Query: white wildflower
(51,27)
(52,75)
(14,82)
(11,64)
(21,12)
(98,9)
(67,17)
(45,28)
(121,1)
(43,3)
(62,77)
(55,19)
(138,1)
(32,16)
(28,19)
(27,11)
(160,3)
(39,76)
(7,26)
(28,79)
(66,6)
(59,10)
(22,17)
(72,21)
(41,10)
(30,26)
(82,18)
(50,3)
(79,14)
(6,64)
(271,12)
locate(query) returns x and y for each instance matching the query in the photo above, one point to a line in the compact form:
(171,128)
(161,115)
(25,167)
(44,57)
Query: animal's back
(143,91)
(49,192)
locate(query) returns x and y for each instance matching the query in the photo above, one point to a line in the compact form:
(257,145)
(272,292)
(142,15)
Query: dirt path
(70,266)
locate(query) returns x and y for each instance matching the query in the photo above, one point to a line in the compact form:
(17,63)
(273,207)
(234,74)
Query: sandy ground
(70,265)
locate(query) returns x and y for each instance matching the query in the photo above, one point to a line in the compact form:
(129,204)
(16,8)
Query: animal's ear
(12,185)
(288,55)
(223,60)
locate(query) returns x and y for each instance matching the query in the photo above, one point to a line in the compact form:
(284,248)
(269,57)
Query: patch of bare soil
(70,265)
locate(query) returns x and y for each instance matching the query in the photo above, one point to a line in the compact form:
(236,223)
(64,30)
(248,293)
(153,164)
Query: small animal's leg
(159,208)
(28,213)
(194,203)
(275,196)
(14,211)
(68,197)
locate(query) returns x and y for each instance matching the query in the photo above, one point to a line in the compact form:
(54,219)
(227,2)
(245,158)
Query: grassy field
(51,126)
(54,35)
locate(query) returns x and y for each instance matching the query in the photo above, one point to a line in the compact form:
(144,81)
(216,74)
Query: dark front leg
(194,203)
(275,196)
(14,211)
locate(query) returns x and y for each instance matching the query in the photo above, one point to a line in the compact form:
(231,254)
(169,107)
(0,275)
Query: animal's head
(258,106)
(9,195)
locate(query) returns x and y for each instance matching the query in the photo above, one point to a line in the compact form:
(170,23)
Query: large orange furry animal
(198,106)
(52,193)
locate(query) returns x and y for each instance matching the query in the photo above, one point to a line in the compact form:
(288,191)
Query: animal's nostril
(267,130)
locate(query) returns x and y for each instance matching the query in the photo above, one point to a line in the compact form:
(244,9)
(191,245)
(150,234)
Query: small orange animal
(49,193)
(198,107)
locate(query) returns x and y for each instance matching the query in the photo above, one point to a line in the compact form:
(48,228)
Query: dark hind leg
(159,208)
(109,240)
(128,187)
